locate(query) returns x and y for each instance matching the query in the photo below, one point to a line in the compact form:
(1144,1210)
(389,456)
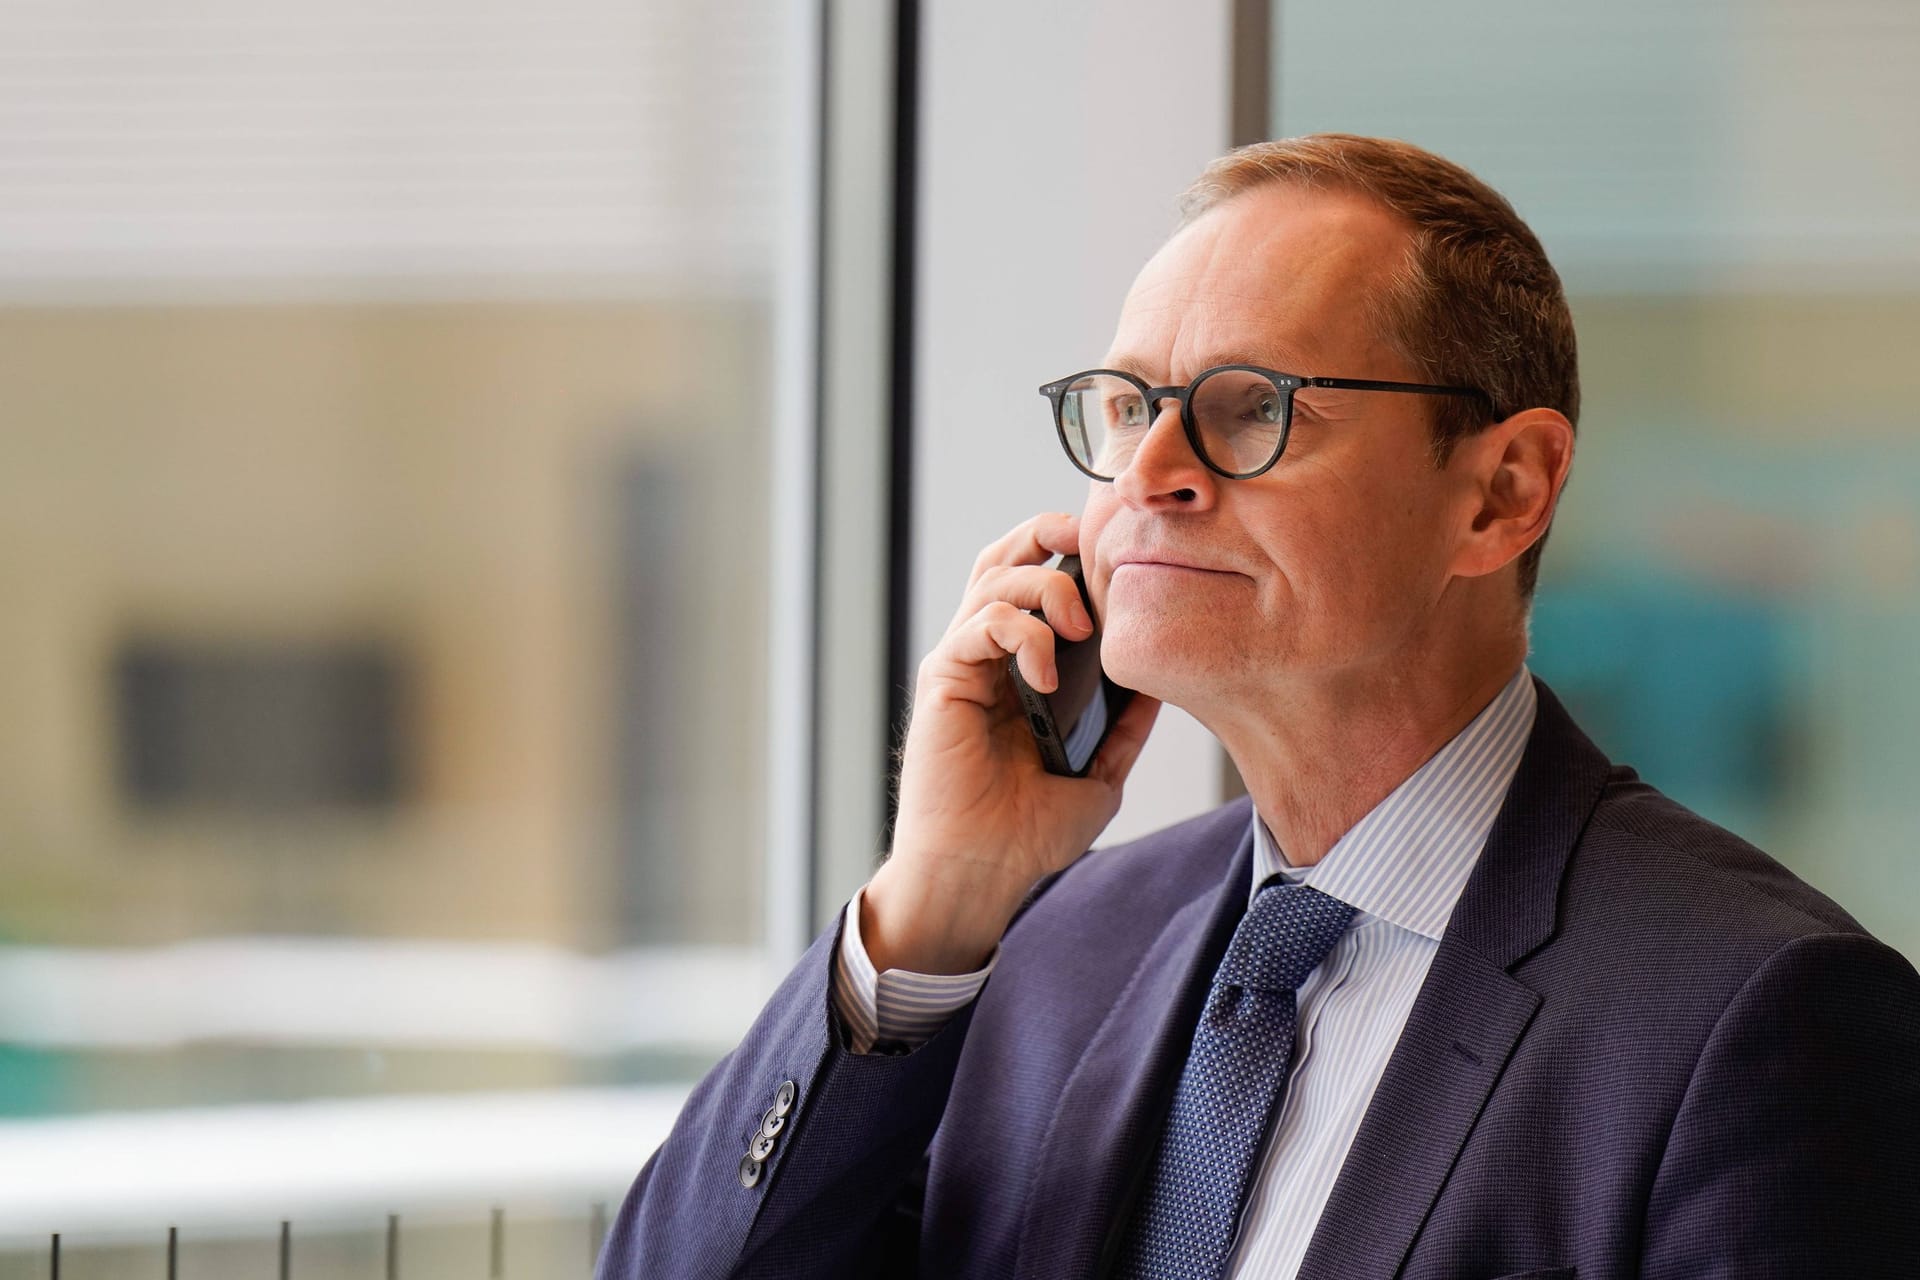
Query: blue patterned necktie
(1236,1071)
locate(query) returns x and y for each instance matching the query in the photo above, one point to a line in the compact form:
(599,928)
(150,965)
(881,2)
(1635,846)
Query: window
(401,415)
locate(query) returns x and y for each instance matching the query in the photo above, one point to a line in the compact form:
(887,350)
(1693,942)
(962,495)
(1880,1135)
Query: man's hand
(980,820)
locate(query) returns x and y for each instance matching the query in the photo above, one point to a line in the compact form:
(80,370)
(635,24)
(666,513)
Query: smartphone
(1069,724)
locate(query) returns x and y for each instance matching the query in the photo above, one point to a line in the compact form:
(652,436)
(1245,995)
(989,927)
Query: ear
(1511,475)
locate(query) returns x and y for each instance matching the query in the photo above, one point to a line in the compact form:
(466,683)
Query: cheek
(1385,559)
(1093,522)
(1341,551)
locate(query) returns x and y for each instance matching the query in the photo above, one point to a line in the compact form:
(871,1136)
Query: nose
(1164,471)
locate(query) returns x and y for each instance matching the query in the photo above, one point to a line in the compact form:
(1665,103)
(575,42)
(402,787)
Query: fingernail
(1080,616)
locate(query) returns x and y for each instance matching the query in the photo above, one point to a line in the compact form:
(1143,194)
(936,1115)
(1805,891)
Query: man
(1449,995)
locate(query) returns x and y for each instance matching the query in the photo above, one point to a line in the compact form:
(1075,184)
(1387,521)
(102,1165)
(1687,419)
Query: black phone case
(1041,721)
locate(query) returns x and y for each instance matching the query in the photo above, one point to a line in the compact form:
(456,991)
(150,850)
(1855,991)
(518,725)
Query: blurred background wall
(464,470)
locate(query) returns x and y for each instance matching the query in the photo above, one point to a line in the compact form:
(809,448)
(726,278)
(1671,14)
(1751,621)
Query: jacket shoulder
(1683,858)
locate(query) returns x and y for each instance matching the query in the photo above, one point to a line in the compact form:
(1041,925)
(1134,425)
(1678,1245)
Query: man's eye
(1129,413)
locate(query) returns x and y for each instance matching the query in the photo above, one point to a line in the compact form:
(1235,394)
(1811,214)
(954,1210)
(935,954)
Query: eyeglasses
(1237,416)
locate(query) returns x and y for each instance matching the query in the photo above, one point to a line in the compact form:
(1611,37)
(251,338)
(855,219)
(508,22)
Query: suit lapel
(1107,1122)
(1469,1015)
(1463,1026)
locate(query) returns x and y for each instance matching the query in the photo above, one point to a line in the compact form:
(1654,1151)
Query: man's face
(1332,563)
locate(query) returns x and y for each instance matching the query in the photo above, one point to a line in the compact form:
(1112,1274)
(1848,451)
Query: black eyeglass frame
(1284,384)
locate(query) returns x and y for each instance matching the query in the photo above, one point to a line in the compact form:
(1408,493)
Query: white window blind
(432,146)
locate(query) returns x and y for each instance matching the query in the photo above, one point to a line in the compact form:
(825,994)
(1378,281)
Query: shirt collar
(1409,858)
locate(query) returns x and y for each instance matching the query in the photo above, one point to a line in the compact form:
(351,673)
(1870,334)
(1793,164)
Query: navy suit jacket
(1644,1048)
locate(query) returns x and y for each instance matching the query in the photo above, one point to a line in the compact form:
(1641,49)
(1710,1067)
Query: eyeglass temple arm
(1418,388)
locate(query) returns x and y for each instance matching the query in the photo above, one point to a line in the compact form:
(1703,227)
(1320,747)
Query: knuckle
(993,578)
(1000,613)
(995,552)
(1028,632)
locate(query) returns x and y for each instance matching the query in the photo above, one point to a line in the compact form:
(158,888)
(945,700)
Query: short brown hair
(1476,304)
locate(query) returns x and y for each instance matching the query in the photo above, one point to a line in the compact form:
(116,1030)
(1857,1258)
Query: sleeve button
(784,1096)
(760,1148)
(749,1171)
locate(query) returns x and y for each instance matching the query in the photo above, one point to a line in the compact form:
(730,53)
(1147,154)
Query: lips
(1164,563)
(1151,570)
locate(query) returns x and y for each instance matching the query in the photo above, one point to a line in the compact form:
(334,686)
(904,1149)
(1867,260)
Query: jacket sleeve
(824,1201)
(1796,1149)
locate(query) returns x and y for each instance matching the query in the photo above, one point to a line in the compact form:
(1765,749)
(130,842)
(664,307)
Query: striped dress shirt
(1402,867)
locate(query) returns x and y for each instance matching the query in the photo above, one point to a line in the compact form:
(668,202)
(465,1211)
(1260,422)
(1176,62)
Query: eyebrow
(1138,368)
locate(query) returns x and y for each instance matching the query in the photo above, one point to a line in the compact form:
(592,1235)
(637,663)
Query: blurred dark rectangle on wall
(652,555)
(260,728)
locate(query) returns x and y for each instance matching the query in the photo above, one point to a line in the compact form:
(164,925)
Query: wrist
(914,921)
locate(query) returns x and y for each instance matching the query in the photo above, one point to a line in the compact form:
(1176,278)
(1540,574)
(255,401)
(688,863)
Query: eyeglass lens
(1240,417)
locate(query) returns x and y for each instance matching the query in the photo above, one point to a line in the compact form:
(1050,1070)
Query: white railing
(328,1169)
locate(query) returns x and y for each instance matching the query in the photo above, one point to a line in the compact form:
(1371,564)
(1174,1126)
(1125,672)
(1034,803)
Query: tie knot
(1285,934)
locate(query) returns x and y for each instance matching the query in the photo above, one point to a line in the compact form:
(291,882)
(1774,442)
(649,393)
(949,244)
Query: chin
(1156,662)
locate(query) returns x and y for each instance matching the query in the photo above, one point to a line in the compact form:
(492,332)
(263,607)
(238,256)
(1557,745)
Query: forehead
(1279,276)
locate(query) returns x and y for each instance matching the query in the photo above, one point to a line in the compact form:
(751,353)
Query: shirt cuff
(899,1007)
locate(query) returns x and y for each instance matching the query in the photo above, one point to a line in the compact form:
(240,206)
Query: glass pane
(1732,591)
(384,551)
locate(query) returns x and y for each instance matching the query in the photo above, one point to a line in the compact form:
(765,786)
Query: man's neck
(1333,754)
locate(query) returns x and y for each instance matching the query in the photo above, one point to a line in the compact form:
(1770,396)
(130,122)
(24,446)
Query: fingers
(1030,586)
(992,623)
(998,630)
(1032,541)
(1125,741)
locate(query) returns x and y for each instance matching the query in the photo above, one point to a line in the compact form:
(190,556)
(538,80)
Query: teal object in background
(1695,687)
(32,1081)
